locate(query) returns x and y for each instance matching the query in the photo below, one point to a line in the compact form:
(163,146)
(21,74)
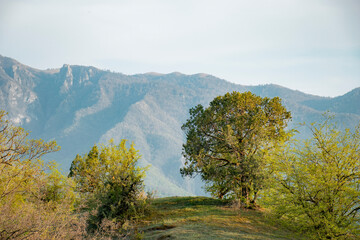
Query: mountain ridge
(79,106)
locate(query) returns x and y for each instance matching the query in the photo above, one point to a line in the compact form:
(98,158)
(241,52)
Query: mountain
(79,106)
(348,103)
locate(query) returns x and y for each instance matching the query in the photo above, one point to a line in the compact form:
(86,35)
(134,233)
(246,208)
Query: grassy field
(207,218)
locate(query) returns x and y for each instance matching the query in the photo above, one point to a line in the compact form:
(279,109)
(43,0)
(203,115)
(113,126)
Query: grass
(207,218)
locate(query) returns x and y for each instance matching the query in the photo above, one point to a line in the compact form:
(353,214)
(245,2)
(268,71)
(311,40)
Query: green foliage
(57,186)
(87,171)
(15,146)
(316,185)
(111,179)
(36,200)
(226,143)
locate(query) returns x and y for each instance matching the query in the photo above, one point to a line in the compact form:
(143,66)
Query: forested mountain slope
(79,106)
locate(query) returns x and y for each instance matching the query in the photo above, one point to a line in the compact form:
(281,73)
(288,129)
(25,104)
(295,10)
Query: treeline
(240,147)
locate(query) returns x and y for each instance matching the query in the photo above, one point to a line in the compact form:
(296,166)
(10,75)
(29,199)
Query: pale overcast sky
(309,45)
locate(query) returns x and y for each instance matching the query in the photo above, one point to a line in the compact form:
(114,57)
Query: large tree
(226,142)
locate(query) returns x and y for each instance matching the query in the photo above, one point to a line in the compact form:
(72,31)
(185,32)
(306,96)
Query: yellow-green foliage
(111,182)
(316,184)
(57,186)
(35,198)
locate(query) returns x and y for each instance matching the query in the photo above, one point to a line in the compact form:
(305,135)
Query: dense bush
(111,182)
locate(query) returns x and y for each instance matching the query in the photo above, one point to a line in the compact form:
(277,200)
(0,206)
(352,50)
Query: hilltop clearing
(207,218)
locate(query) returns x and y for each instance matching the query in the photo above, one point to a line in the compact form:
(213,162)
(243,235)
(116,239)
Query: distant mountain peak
(176,74)
(69,78)
(203,75)
(154,74)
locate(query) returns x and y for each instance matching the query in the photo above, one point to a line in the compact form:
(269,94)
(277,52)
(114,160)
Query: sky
(308,45)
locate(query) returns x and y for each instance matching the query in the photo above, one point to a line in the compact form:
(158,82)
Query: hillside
(348,103)
(79,106)
(207,218)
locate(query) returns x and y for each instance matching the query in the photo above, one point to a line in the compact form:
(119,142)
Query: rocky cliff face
(79,106)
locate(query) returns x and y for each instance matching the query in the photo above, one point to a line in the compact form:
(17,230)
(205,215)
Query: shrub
(111,183)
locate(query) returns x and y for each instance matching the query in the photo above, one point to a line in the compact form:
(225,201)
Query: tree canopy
(226,142)
(316,183)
